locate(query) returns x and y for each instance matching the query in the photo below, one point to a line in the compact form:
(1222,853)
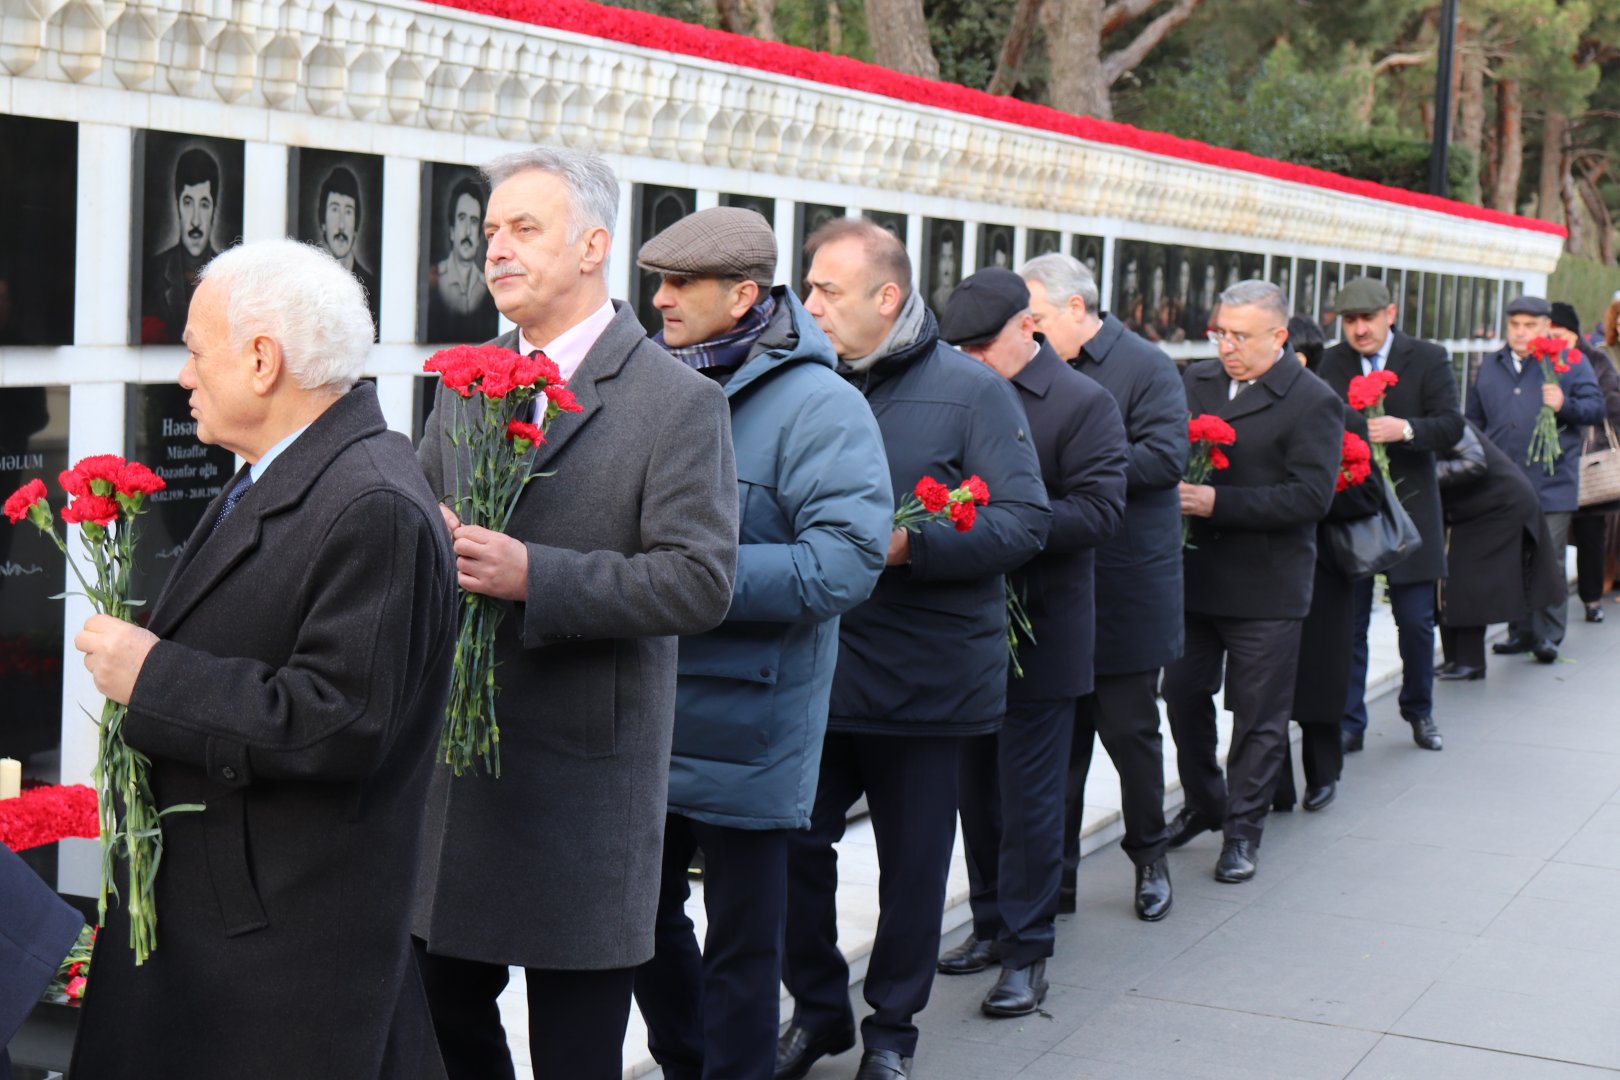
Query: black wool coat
(296,691)
(1254,558)
(1139,587)
(632,542)
(1080,443)
(1426,397)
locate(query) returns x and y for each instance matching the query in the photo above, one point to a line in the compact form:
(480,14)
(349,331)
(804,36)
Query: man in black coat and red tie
(1249,564)
(1421,418)
(1013,781)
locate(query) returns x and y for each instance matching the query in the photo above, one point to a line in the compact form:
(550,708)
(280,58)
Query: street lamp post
(1438,150)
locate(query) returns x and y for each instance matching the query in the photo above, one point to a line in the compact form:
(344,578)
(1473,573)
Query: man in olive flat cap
(1422,418)
(752,695)
(1013,781)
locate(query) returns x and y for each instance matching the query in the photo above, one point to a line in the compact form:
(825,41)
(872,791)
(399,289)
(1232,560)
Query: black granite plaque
(187,208)
(39,182)
(942,261)
(656,209)
(995,247)
(335,199)
(162,435)
(759,204)
(453,305)
(1042,242)
(33,443)
(426,387)
(808,217)
(1089,250)
(892,223)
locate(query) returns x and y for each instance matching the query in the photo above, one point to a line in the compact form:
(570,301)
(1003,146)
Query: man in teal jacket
(751,701)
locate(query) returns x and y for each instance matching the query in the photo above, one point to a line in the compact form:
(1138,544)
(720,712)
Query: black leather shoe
(1459,673)
(1068,897)
(1188,824)
(883,1065)
(1237,862)
(1512,647)
(1018,992)
(1318,797)
(1350,741)
(1153,890)
(800,1048)
(1441,669)
(1594,612)
(1545,652)
(970,957)
(1424,733)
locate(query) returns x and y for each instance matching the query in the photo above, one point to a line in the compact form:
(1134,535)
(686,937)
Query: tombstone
(39,176)
(335,200)
(1089,250)
(942,261)
(759,204)
(890,222)
(656,209)
(453,305)
(995,247)
(808,217)
(1042,242)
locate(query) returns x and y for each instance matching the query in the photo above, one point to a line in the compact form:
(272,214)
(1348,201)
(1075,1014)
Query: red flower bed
(44,815)
(686,39)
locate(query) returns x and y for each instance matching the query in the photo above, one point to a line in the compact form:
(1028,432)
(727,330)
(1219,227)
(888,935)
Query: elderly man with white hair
(291,680)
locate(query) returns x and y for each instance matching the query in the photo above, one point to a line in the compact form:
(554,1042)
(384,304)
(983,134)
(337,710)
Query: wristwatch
(1406,435)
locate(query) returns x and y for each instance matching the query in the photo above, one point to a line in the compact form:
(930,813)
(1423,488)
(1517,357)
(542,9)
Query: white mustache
(503,269)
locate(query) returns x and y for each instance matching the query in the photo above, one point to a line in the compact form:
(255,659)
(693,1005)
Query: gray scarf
(906,327)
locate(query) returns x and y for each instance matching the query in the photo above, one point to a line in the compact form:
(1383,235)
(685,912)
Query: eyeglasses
(1227,337)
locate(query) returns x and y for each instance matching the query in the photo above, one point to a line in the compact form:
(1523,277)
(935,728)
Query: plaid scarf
(730,349)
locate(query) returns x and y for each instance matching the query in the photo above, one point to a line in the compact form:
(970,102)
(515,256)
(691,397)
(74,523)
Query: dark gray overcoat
(297,691)
(632,542)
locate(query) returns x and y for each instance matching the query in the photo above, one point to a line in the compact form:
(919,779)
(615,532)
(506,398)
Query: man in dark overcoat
(554,866)
(1421,418)
(921,664)
(291,680)
(1504,403)
(1139,588)
(1013,781)
(1250,562)
(40,927)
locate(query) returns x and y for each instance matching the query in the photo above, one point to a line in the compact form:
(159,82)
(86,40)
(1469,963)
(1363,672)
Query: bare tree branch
(1120,12)
(1012,48)
(1118,63)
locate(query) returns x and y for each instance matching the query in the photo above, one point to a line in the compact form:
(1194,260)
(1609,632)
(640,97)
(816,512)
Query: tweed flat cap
(1529,305)
(722,241)
(1362,296)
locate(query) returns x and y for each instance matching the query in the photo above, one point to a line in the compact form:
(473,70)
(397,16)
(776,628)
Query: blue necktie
(1375,362)
(234,497)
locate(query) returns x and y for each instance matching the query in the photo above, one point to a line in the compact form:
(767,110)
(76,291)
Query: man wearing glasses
(1248,569)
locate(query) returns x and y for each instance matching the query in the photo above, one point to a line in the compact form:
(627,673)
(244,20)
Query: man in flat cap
(751,696)
(1422,418)
(1507,396)
(1012,782)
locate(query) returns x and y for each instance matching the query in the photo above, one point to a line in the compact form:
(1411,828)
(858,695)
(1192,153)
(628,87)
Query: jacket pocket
(225,841)
(579,685)
(725,697)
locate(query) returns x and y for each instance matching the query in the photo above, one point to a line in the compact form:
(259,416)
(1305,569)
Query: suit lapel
(603,362)
(210,555)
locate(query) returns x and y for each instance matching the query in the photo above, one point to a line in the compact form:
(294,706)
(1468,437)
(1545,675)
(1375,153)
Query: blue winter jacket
(815,507)
(1504,406)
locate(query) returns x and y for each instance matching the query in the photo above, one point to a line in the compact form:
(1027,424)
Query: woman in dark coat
(1501,557)
(1323,674)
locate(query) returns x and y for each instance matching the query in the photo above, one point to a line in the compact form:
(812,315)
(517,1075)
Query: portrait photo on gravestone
(186,208)
(656,209)
(335,199)
(942,263)
(453,304)
(39,183)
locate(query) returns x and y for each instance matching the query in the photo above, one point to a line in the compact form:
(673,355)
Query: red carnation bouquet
(503,405)
(108,495)
(1555,358)
(73,974)
(1366,396)
(1355,462)
(931,500)
(1206,434)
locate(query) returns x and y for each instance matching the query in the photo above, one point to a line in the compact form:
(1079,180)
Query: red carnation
(136,479)
(75,987)
(23,499)
(1545,348)
(1355,462)
(563,398)
(1367,391)
(932,494)
(91,510)
(102,467)
(1218,459)
(962,514)
(517,429)
(1210,429)
(979,490)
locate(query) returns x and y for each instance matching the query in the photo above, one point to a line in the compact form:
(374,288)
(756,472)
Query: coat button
(228,773)
(764,672)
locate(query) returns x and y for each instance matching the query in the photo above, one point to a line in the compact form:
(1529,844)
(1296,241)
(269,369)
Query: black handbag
(1366,546)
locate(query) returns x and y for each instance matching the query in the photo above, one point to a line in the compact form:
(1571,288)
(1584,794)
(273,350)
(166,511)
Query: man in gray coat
(630,543)
(751,700)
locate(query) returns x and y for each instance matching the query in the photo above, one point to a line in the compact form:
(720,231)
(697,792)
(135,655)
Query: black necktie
(234,497)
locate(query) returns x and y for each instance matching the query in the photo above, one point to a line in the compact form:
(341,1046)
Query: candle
(10,778)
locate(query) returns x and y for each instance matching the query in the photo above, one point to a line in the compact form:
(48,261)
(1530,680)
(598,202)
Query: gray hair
(593,190)
(1261,294)
(1062,276)
(302,299)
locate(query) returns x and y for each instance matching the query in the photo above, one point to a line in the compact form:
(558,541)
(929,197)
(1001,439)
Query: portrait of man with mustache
(190,197)
(453,302)
(338,215)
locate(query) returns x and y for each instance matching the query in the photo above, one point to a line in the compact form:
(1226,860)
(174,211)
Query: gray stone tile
(1592,733)
(1512,770)
(1573,881)
(1597,843)
(1409,884)
(953,1013)
(1473,819)
(1396,1058)
(1310,966)
(1141,1037)
(1562,924)
(1111,949)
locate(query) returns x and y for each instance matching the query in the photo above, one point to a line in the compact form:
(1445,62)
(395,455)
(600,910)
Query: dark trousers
(576,1019)
(1590,535)
(1012,826)
(1260,657)
(1321,752)
(1123,712)
(910,788)
(1548,623)
(716,1014)
(1413,606)
(1464,645)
